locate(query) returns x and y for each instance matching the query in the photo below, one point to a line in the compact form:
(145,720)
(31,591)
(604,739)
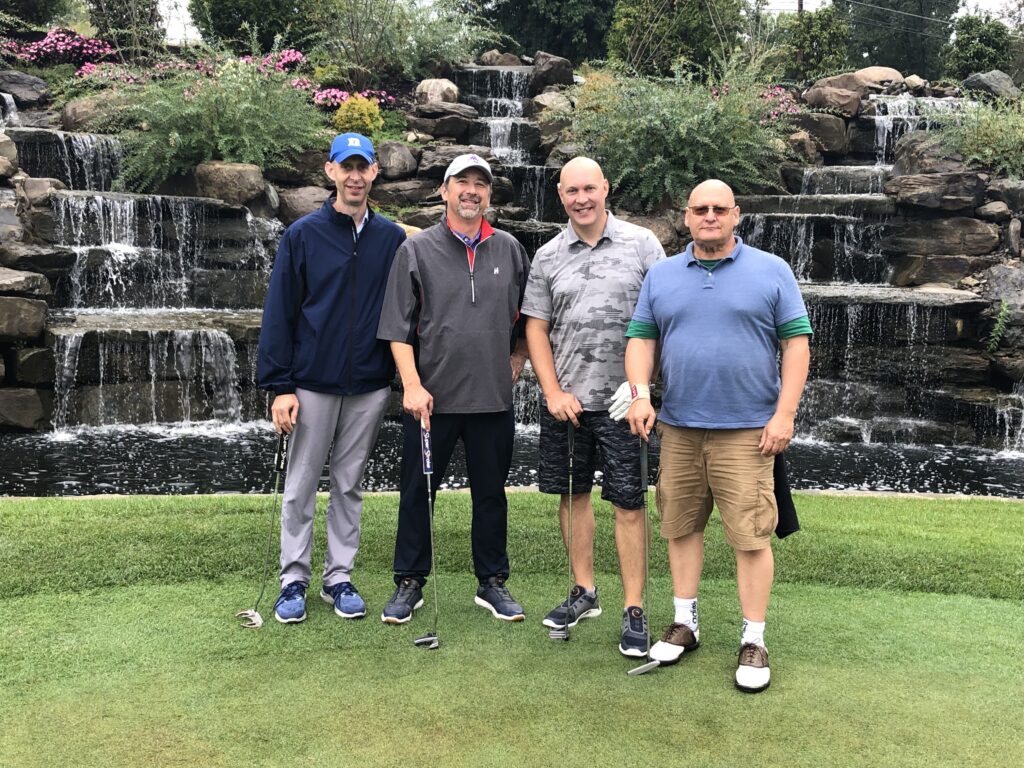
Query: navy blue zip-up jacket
(323,305)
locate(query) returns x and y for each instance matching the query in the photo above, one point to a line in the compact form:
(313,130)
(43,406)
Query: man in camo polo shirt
(582,290)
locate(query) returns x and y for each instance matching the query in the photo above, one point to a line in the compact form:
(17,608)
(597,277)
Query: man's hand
(418,403)
(284,411)
(641,417)
(565,407)
(518,362)
(776,435)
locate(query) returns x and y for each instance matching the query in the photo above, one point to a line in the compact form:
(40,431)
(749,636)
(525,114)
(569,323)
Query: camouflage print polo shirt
(588,296)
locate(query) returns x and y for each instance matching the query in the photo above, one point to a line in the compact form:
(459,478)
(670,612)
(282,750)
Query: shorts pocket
(766,512)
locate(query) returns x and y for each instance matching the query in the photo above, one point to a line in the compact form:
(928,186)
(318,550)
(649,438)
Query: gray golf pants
(351,423)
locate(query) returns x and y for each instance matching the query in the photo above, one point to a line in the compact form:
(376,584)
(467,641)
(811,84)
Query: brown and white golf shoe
(677,640)
(753,674)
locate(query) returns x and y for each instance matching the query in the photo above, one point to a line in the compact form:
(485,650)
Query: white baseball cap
(465,162)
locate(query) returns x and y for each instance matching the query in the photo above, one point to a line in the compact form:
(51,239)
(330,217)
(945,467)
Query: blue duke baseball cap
(348,144)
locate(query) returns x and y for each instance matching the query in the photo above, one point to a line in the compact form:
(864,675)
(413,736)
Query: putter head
(253,620)
(428,641)
(643,668)
(559,633)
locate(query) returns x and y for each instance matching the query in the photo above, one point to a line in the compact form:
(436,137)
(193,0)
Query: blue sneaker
(345,598)
(291,603)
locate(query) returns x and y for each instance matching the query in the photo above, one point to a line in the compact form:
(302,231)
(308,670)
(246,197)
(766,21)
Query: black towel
(787,523)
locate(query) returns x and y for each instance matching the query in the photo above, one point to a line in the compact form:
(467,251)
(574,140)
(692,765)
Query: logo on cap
(353,142)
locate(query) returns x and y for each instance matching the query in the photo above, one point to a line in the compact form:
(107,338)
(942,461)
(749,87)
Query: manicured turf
(894,631)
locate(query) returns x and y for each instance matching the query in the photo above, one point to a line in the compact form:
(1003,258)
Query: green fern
(998,328)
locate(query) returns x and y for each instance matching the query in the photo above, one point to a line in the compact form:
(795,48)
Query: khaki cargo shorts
(703,467)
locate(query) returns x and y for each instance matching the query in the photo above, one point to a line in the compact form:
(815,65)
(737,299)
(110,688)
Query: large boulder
(993,83)
(8,149)
(828,97)
(410,192)
(442,118)
(397,160)
(919,152)
(236,183)
(806,150)
(21,319)
(33,366)
(879,77)
(228,289)
(661,226)
(13,281)
(995,211)
(950,237)
(918,269)
(829,131)
(425,217)
(495,58)
(437,158)
(436,89)
(296,203)
(306,170)
(862,82)
(547,103)
(79,114)
(1008,191)
(23,408)
(941,191)
(33,193)
(28,91)
(562,154)
(549,69)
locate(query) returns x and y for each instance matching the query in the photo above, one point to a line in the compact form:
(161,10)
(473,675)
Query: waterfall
(898,115)
(1010,418)
(84,161)
(503,111)
(66,350)
(8,111)
(844,179)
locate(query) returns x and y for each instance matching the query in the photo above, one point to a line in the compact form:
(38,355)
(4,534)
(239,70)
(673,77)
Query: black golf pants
(487,439)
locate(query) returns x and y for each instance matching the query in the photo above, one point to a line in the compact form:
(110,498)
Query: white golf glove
(624,397)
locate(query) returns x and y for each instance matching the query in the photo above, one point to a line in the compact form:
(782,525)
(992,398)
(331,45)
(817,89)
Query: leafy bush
(240,115)
(40,12)
(358,115)
(980,44)
(372,41)
(135,27)
(655,37)
(815,43)
(657,139)
(62,46)
(988,135)
(221,22)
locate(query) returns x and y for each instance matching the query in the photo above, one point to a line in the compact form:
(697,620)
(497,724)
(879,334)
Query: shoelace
(406,589)
(347,589)
(749,654)
(293,590)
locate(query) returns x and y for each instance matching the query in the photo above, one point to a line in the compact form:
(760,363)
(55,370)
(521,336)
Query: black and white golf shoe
(633,641)
(495,597)
(579,605)
(407,598)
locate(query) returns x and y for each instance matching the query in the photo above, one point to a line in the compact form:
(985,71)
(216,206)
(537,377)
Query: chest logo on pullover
(496,269)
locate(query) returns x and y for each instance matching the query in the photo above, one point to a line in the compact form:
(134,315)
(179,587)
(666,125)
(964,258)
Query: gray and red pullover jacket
(460,311)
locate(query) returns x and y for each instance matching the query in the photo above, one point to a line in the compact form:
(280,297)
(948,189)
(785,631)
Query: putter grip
(281,454)
(644,469)
(427,450)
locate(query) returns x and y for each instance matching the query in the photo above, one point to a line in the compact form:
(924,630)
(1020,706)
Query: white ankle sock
(753,632)
(686,611)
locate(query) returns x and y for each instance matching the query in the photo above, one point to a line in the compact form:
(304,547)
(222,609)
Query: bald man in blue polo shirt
(718,315)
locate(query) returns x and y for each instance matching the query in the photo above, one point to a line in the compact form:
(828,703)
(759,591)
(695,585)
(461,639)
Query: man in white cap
(451,314)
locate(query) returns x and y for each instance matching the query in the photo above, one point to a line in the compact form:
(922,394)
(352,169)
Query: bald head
(580,166)
(583,189)
(711,216)
(712,188)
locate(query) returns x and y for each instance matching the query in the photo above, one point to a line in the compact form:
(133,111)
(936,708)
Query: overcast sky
(993,6)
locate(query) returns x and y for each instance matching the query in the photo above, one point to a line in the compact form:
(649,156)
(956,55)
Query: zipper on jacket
(352,302)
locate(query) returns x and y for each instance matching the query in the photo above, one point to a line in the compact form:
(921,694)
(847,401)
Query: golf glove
(624,397)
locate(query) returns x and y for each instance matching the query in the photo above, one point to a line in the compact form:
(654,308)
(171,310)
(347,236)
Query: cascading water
(844,179)
(898,115)
(8,111)
(82,161)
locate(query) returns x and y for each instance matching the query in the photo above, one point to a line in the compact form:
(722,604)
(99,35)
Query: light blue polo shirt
(718,332)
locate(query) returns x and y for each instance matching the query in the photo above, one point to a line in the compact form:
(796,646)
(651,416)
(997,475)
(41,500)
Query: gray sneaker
(634,639)
(579,605)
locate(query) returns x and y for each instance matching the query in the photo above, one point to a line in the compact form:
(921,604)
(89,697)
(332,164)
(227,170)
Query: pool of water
(218,458)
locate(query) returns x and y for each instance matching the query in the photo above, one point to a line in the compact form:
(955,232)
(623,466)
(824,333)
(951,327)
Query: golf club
(562,633)
(649,665)
(251,617)
(430,641)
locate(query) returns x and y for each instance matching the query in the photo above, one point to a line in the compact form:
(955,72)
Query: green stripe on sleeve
(638,330)
(801,326)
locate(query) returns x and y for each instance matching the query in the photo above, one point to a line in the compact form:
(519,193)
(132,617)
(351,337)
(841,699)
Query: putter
(430,641)
(649,665)
(251,617)
(562,633)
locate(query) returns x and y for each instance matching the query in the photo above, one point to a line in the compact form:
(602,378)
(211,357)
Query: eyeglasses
(702,210)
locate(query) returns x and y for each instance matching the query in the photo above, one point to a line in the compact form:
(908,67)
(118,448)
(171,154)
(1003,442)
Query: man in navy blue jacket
(331,377)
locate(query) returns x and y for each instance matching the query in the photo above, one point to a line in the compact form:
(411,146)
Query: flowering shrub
(332,98)
(358,114)
(62,46)
(780,102)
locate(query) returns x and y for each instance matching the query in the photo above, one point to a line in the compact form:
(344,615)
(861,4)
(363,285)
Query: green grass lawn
(895,635)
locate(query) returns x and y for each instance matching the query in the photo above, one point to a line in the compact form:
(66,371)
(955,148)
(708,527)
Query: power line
(897,28)
(901,13)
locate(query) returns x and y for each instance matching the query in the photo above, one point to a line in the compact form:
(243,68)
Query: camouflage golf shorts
(598,438)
